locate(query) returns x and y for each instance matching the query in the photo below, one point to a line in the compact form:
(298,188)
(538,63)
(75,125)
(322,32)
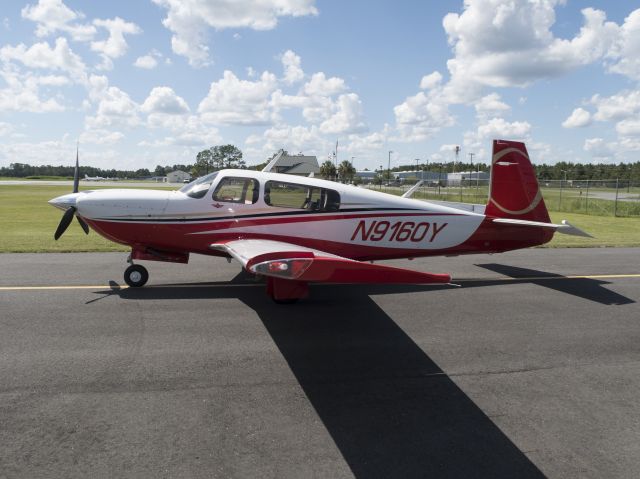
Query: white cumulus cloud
(190,19)
(616,107)
(164,100)
(41,55)
(54,16)
(146,62)
(115,45)
(292,70)
(599,148)
(422,115)
(505,43)
(629,128)
(232,101)
(500,128)
(348,117)
(579,118)
(501,44)
(320,85)
(431,80)
(115,108)
(491,104)
(626,51)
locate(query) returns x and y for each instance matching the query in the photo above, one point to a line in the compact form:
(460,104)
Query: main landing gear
(136,275)
(286,291)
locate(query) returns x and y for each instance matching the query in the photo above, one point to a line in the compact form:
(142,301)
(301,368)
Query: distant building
(402,176)
(457,178)
(178,176)
(283,162)
(366,176)
(428,176)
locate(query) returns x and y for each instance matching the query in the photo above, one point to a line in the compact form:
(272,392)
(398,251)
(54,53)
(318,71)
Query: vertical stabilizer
(514,191)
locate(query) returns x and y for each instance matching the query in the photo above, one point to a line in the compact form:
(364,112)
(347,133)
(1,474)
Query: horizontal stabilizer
(564,228)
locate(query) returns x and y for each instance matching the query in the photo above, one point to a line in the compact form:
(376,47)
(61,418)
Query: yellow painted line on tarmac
(230,285)
(605,276)
(46,288)
(455,280)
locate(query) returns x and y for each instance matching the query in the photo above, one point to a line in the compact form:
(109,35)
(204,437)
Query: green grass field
(607,231)
(28,223)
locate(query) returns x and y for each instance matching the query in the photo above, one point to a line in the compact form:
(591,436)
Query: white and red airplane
(295,231)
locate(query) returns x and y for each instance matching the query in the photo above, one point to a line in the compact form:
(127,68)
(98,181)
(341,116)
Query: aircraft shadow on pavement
(390,409)
(586,288)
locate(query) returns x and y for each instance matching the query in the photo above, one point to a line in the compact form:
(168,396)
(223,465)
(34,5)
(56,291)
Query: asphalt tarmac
(530,368)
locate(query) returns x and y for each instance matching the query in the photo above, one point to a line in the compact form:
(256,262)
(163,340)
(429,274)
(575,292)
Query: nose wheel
(136,275)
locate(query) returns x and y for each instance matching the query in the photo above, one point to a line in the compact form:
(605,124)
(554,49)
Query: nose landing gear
(136,275)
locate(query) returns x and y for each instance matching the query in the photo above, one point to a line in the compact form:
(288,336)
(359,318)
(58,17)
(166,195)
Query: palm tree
(328,170)
(346,171)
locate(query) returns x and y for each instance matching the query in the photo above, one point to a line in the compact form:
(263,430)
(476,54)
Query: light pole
(389,168)
(457,151)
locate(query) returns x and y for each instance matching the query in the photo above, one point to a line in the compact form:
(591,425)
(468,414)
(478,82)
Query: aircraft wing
(282,260)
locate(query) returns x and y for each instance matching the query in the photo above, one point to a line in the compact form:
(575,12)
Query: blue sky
(155,81)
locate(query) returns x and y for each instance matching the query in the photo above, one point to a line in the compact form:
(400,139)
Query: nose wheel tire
(136,275)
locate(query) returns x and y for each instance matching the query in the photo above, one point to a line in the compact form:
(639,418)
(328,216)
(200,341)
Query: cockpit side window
(302,197)
(237,190)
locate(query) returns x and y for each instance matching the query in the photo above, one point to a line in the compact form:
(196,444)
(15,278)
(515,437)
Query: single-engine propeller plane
(94,178)
(294,231)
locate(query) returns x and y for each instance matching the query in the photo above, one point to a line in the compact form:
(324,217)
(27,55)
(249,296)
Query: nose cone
(65,201)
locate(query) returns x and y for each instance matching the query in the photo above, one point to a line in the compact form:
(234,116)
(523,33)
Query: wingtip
(568,229)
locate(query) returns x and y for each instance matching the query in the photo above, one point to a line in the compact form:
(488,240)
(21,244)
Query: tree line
(560,171)
(24,170)
(230,156)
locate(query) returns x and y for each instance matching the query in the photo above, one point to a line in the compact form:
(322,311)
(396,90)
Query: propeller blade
(64,222)
(84,225)
(76,174)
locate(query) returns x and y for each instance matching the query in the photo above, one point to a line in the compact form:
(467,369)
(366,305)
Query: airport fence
(615,197)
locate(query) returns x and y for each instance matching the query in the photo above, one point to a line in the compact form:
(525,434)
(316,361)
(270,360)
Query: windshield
(199,187)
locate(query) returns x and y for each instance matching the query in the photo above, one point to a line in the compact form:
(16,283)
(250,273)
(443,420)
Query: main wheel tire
(136,276)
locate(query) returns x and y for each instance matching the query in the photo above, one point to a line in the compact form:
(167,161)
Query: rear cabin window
(302,197)
(237,190)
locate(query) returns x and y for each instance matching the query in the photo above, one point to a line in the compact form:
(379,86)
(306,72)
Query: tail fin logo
(524,211)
